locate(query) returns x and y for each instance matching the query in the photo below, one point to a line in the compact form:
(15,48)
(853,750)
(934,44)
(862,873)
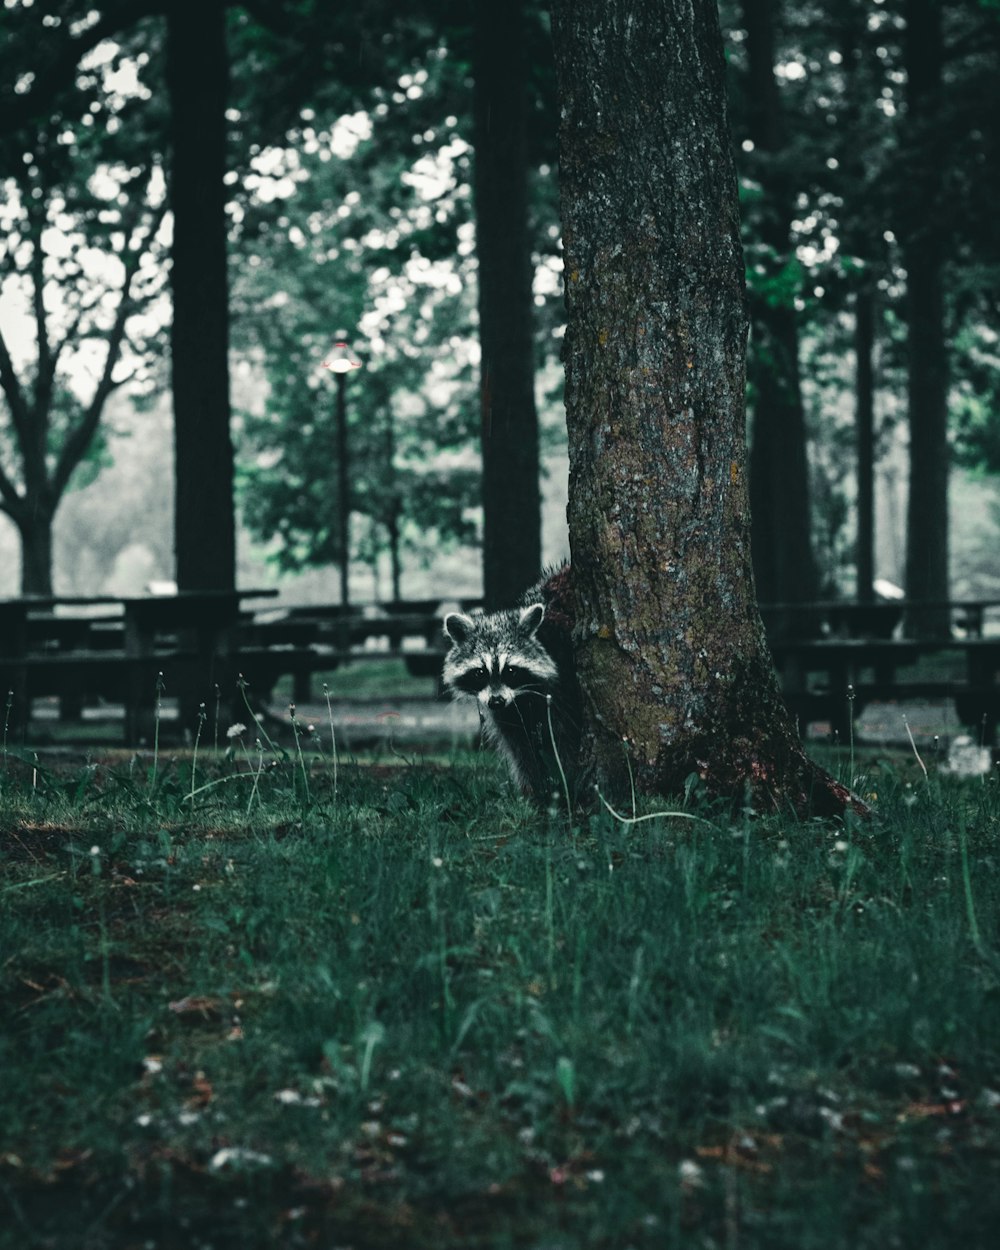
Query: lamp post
(340,362)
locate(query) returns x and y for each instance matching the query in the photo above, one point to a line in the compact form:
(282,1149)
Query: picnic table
(116,648)
(833,676)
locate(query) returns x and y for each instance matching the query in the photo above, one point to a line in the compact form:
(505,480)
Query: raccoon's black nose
(497,701)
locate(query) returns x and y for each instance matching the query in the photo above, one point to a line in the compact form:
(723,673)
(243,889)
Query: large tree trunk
(511,498)
(204,527)
(927,388)
(671,652)
(783,557)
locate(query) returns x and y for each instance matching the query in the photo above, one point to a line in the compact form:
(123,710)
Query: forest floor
(266,998)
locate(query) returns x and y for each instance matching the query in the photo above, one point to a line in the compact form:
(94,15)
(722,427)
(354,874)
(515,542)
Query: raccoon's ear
(530,619)
(458,626)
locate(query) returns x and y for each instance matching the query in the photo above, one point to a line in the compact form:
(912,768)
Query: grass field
(247,1001)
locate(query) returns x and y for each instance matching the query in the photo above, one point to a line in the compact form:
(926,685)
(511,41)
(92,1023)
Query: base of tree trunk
(765,769)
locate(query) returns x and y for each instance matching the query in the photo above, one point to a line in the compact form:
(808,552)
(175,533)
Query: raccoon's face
(497,659)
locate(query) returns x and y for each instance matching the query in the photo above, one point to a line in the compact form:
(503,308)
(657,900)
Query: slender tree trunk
(864,391)
(395,564)
(511,494)
(784,561)
(924,253)
(671,652)
(860,85)
(197,74)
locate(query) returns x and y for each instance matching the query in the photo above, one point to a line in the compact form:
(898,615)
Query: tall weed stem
(559,765)
(333,738)
(194,754)
(157,712)
(298,751)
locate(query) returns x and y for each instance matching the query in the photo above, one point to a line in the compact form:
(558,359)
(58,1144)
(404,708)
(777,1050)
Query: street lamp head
(339,358)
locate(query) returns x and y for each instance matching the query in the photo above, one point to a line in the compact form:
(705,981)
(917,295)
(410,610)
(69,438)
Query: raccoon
(512,663)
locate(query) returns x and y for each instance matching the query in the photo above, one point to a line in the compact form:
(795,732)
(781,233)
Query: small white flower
(235,1155)
(437,861)
(690,1173)
(236,731)
(833,1118)
(95,850)
(144,1120)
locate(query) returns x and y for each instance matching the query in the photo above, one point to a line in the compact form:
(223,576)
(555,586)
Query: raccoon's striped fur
(509,662)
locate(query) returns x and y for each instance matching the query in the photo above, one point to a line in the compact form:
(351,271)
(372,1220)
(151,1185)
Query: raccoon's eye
(513,673)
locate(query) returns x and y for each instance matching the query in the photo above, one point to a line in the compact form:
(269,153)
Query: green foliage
(410,1012)
(976,398)
(375,237)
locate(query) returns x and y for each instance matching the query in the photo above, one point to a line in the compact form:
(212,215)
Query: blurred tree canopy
(82,280)
(868,149)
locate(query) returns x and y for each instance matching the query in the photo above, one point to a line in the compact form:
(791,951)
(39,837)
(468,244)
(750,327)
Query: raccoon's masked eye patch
(514,675)
(472,680)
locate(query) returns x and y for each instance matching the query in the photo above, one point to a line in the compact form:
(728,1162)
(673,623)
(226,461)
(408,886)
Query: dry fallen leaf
(197,1005)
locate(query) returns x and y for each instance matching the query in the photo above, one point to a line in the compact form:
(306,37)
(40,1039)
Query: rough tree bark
(784,563)
(927,360)
(509,420)
(204,528)
(671,652)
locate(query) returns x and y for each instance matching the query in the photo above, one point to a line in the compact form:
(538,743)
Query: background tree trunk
(927,361)
(35,532)
(512,551)
(859,242)
(671,653)
(784,562)
(864,417)
(204,528)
